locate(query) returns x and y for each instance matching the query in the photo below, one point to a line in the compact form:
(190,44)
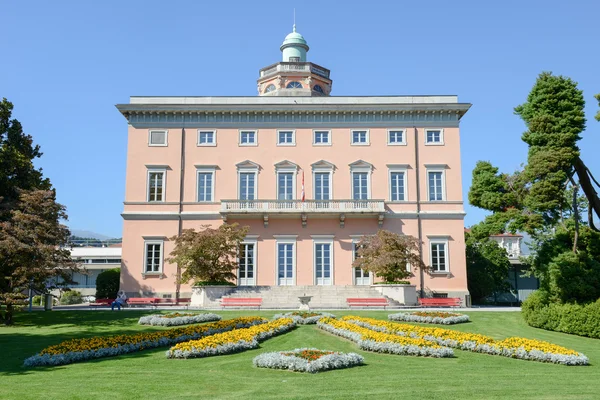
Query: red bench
(241,302)
(101,303)
(143,301)
(183,302)
(367,302)
(440,302)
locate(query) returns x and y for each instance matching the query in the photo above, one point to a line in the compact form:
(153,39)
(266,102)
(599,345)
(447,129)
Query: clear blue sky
(65,64)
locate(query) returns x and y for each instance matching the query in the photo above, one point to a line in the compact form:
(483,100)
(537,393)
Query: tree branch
(588,189)
(575,213)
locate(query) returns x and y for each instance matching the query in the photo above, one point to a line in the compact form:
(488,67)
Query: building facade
(309,173)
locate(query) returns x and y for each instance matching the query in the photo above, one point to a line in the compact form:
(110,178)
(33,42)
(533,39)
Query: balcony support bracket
(342,220)
(380,219)
(304,218)
(266,220)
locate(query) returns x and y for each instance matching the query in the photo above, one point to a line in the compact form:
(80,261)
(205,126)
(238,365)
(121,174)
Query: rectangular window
(247,185)
(285,263)
(153,262)
(285,186)
(436,185)
(360,185)
(157,138)
(439,256)
(322,138)
(434,136)
(396,137)
(322,186)
(156,184)
(360,137)
(247,138)
(205,186)
(206,138)
(285,138)
(247,261)
(397,186)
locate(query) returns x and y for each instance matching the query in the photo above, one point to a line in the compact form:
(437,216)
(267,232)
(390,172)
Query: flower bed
(305,317)
(232,341)
(525,349)
(430,317)
(176,319)
(368,339)
(308,360)
(75,350)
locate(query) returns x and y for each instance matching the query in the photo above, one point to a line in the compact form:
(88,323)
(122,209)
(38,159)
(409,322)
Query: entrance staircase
(323,297)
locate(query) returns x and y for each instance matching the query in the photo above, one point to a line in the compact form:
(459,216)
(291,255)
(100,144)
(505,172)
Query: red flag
(302,185)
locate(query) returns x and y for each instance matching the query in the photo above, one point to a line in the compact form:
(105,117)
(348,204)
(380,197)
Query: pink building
(307,172)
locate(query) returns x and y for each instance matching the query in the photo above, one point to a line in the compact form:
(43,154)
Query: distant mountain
(89,234)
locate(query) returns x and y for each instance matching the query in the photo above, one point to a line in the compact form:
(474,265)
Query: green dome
(294,39)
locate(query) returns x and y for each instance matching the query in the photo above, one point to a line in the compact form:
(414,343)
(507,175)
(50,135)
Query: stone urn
(304,300)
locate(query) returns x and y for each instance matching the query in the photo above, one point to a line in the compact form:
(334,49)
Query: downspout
(180,222)
(419,224)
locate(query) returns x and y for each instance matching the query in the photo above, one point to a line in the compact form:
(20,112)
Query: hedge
(576,319)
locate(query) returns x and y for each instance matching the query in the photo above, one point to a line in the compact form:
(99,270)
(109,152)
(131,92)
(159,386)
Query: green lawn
(149,375)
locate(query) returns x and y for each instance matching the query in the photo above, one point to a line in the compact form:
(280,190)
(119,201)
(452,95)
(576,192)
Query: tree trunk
(8,315)
(575,216)
(588,189)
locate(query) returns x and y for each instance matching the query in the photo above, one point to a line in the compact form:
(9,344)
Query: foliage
(17,154)
(71,297)
(387,254)
(487,267)
(107,284)
(208,255)
(582,320)
(31,249)
(304,317)
(543,199)
(214,283)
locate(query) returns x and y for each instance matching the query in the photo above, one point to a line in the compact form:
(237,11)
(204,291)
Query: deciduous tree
(31,250)
(387,254)
(209,254)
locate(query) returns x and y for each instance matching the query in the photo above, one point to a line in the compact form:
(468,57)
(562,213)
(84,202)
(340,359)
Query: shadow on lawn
(19,346)
(61,319)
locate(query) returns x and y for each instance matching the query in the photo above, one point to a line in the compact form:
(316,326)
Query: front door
(323,263)
(361,277)
(247,265)
(285,264)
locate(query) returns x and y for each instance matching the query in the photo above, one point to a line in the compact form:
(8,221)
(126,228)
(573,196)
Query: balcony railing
(294,67)
(299,206)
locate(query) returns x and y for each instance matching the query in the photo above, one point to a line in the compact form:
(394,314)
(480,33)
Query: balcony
(306,67)
(340,208)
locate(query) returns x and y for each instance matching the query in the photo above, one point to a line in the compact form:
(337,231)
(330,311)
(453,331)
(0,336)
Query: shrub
(582,320)
(214,283)
(107,284)
(71,297)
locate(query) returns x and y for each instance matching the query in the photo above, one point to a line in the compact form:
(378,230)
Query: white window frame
(443,171)
(323,239)
(205,170)
(322,170)
(253,240)
(440,143)
(293,142)
(328,143)
(286,170)
(360,169)
(402,143)
(164,184)
(247,170)
(153,241)
(356,240)
(255,143)
(286,239)
(368,138)
(214,138)
(397,169)
(440,240)
(165,144)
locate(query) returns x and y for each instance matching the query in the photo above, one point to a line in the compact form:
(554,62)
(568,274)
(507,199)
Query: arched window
(318,88)
(294,85)
(270,88)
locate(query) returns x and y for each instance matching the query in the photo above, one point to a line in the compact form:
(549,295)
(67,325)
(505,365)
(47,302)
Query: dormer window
(294,85)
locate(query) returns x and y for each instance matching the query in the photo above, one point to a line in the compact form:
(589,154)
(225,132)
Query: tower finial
(294,20)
